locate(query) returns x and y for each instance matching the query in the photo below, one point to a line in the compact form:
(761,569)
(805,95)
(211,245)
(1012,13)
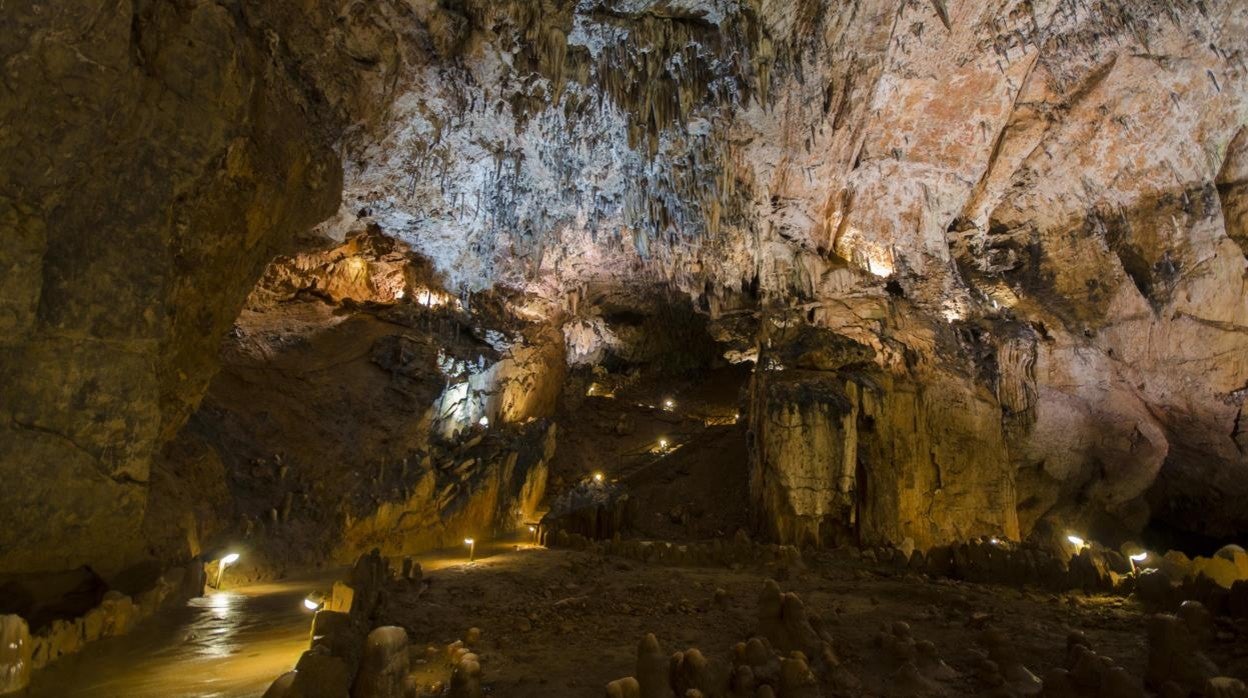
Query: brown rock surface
(1027,216)
(156,156)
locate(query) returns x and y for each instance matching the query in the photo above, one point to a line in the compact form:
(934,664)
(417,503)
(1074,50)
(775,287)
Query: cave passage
(638,348)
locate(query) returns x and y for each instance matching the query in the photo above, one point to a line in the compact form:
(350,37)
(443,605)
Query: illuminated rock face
(360,406)
(1033,204)
(1032,211)
(156,155)
(847,453)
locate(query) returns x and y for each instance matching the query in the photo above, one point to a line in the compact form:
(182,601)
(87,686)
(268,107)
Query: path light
(669,404)
(314,601)
(484,421)
(994,541)
(225,562)
(533,530)
(1136,559)
(598,477)
(662,444)
(472,548)
(1078,542)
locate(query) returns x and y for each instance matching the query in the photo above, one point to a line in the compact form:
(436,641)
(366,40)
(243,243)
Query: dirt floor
(564,623)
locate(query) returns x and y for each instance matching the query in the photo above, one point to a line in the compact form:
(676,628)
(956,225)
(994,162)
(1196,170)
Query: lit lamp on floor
(225,562)
(472,548)
(598,477)
(533,530)
(314,602)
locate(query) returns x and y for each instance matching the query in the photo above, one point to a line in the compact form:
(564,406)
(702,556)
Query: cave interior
(646,348)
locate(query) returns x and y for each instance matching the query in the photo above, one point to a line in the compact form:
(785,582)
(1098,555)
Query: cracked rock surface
(1015,230)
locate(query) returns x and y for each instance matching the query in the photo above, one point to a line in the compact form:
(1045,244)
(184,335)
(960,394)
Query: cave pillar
(804,456)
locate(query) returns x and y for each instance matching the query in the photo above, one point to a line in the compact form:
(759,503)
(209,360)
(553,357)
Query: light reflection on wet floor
(226,645)
(230,644)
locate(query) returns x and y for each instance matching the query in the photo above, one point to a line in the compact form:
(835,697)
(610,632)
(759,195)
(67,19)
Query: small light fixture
(598,477)
(994,541)
(484,421)
(669,404)
(314,601)
(1076,541)
(662,444)
(472,548)
(225,562)
(311,605)
(1140,557)
(398,295)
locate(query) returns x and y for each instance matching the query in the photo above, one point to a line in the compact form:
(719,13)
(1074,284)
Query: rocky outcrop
(846,453)
(1049,189)
(361,406)
(804,470)
(1030,211)
(156,155)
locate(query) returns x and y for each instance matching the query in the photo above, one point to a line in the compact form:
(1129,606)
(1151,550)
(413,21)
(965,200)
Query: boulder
(1237,557)
(1174,655)
(341,597)
(384,665)
(280,688)
(626,687)
(319,674)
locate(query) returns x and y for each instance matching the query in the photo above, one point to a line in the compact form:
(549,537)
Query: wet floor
(229,644)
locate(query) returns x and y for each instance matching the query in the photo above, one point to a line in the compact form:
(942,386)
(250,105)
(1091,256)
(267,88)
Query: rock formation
(276,271)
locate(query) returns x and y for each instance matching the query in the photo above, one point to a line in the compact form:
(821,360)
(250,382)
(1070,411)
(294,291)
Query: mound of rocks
(787,658)
(343,655)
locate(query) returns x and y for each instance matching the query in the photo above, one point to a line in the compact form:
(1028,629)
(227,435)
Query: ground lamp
(472,548)
(225,562)
(314,601)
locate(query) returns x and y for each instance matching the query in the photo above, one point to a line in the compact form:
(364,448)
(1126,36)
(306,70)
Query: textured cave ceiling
(1030,215)
(1054,185)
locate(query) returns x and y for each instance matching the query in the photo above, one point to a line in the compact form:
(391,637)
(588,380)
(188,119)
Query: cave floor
(564,623)
(228,644)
